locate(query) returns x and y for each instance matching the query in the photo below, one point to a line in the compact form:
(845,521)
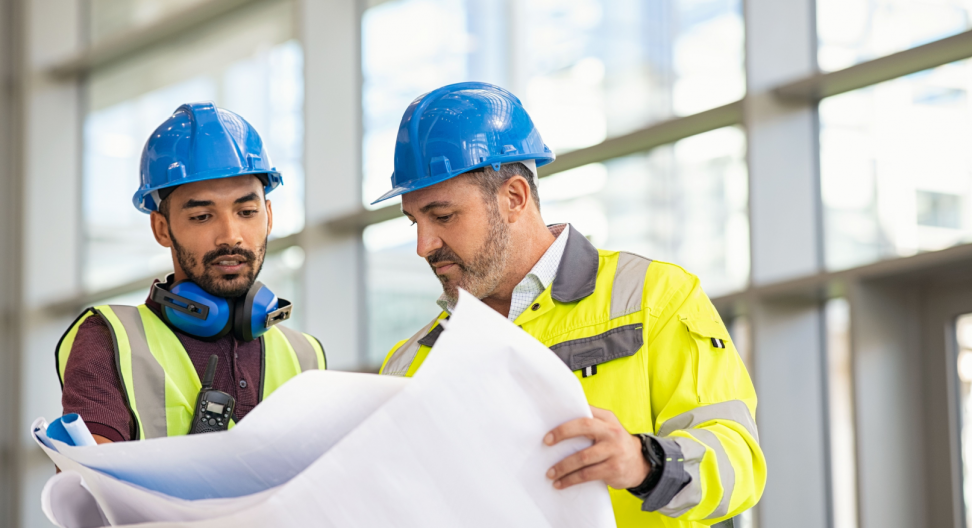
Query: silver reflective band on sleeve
(629,284)
(306,355)
(148,376)
(727,475)
(732,410)
(402,358)
(691,494)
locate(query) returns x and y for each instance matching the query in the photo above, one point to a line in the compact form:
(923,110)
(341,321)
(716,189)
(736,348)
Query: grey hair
(489,181)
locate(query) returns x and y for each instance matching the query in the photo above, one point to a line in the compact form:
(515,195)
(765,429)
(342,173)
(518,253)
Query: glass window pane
(963,328)
(262,81)
(854,31)
(401,288)
(895,167)
(585,69)
(685,203)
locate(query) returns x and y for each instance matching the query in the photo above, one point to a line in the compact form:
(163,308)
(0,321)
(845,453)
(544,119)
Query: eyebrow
(433,205)
(252,197)
(196,203)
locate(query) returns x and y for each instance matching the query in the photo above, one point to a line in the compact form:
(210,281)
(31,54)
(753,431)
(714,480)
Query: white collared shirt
(535,282)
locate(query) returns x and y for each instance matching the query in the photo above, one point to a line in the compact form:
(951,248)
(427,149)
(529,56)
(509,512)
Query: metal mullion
(937,53)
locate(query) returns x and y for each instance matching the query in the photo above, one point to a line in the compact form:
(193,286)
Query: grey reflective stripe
(619,342)
(727,475)
(402,358)
(629,284)
(306,355)
(732,410)
(691,494)
(148,376)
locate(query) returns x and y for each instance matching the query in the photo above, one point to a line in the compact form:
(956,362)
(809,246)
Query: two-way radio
(213,408)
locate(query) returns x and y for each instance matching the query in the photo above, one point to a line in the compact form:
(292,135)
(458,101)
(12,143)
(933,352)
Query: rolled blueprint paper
(71,430)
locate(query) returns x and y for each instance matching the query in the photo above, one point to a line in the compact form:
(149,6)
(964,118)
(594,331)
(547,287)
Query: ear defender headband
(189,308)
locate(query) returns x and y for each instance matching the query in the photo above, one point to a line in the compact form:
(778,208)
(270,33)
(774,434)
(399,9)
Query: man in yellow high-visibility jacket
(674,432)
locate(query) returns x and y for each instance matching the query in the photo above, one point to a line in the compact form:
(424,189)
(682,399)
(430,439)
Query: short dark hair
(489,181)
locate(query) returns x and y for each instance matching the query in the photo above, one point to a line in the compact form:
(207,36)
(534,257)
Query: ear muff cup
(251,312)
(217,322)
(190,309)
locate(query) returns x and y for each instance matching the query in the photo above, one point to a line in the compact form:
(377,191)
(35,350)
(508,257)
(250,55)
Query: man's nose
(229,233)
(428,241)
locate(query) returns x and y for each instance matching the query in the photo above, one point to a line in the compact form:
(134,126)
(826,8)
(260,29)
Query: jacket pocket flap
(616,343)
(707,328)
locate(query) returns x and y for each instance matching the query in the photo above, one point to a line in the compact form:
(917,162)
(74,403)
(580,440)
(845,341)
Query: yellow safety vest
(647,344)
(159,381)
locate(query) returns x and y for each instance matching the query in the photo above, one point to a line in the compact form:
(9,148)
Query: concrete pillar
(49,220)
(785,224)
(334,300)
(11,269)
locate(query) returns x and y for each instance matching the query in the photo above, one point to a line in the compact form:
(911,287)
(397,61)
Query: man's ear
(269,218)
(160,228)
(516,194)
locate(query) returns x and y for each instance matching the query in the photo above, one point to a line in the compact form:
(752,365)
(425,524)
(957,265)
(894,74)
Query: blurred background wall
(810,161)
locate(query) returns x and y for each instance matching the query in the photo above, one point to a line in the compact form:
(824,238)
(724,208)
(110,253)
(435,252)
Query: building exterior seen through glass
(854,31)
(895,168)
(685,203)
(265,86)
(586,70)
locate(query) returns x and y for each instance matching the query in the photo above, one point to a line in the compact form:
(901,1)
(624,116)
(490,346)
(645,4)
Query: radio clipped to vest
(213,408)
(196,312)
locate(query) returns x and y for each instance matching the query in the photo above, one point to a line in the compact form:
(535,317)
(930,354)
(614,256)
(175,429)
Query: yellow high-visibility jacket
(648,345)
(159,381)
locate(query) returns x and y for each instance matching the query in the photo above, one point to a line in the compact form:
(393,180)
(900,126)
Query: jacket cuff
(672,476)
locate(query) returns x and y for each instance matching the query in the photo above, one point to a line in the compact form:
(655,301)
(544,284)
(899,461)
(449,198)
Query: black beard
(215,283)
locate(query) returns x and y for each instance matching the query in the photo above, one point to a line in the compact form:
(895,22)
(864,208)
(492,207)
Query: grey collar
(577,273)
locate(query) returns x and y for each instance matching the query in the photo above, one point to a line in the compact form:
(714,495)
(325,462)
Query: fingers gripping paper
(458,445)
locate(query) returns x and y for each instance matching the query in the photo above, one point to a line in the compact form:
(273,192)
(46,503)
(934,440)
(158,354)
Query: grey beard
(483,274)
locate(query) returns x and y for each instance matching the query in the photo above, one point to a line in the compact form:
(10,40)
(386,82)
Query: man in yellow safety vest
(134,372)
(674,432)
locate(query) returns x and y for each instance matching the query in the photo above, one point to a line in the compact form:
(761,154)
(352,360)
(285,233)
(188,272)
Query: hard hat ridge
(459,128)
(200,142)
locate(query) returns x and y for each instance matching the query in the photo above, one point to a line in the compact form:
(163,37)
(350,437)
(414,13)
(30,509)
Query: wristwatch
(655,456)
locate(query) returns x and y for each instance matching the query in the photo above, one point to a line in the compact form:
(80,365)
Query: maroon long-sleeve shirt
(93,390)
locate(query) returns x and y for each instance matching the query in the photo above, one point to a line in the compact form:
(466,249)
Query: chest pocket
(619,342)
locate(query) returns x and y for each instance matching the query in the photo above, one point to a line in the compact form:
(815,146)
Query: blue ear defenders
(190,309)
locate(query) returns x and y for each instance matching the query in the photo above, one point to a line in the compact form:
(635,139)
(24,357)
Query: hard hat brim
(142,195)
(430,181)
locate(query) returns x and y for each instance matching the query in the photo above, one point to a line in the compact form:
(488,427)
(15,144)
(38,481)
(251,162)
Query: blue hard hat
(200,142)
(458,128)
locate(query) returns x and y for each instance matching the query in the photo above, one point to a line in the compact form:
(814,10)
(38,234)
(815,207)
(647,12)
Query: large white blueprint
(458,445)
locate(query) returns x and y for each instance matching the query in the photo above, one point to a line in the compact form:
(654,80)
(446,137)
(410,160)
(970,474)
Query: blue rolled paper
(71,430)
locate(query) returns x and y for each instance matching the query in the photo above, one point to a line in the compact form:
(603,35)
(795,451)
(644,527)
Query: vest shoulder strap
(400,359)
(310,353)
(64,345)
